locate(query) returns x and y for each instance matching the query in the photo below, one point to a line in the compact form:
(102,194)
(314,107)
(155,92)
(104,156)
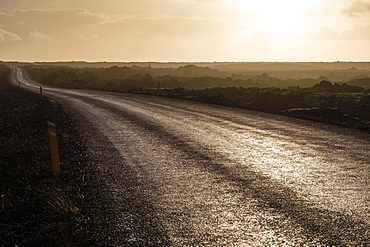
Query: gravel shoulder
(36,207)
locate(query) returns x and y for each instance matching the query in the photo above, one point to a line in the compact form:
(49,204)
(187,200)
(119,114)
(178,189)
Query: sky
(184,30)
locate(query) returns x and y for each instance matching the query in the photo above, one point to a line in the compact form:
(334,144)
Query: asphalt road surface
(183,173)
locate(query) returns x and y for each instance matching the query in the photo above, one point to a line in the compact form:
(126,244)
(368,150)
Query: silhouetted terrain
(334,92)
(344,108)
(202,75)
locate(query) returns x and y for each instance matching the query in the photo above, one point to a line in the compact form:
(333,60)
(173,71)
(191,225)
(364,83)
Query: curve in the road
(190,174)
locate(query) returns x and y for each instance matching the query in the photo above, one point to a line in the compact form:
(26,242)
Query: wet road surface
(184,173)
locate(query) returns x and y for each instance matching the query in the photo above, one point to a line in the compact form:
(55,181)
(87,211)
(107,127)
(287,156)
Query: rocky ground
(36,207)
(345,109)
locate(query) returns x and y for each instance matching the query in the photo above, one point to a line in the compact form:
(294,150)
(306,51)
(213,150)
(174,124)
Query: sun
(282,19)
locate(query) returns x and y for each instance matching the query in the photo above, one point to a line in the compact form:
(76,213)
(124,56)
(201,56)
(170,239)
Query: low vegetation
(188,77)
(345,108)
(346,103)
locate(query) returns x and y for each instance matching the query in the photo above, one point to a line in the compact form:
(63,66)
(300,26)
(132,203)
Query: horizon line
(179,62)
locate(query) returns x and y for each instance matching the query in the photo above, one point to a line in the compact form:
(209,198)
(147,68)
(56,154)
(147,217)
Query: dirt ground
(36,207)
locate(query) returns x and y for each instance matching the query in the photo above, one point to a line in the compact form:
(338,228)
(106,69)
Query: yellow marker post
(54,148)
(41,96)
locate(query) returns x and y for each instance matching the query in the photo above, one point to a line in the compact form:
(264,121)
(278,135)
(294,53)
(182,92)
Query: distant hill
(326,86)
(116,72)
(360,82)
(195,71)
(289,66)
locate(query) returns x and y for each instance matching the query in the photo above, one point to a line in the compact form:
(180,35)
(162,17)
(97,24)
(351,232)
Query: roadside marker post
(54,148)
(41,96)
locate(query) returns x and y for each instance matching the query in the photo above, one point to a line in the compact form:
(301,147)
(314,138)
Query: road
(183,173)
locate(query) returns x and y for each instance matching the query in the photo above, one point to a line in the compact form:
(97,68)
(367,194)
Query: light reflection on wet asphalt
(217,176)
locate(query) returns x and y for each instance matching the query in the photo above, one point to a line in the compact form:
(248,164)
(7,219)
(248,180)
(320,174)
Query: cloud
(50,21)
(6,12)
(354,33)
(76,23)
(357,33)
(8,36)
(357,8)
(324,33)
(75,34)
(37,35)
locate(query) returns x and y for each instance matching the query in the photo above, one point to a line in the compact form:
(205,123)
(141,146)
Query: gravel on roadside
(36,207)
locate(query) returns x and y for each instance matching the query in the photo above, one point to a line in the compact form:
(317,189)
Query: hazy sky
(184,30)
